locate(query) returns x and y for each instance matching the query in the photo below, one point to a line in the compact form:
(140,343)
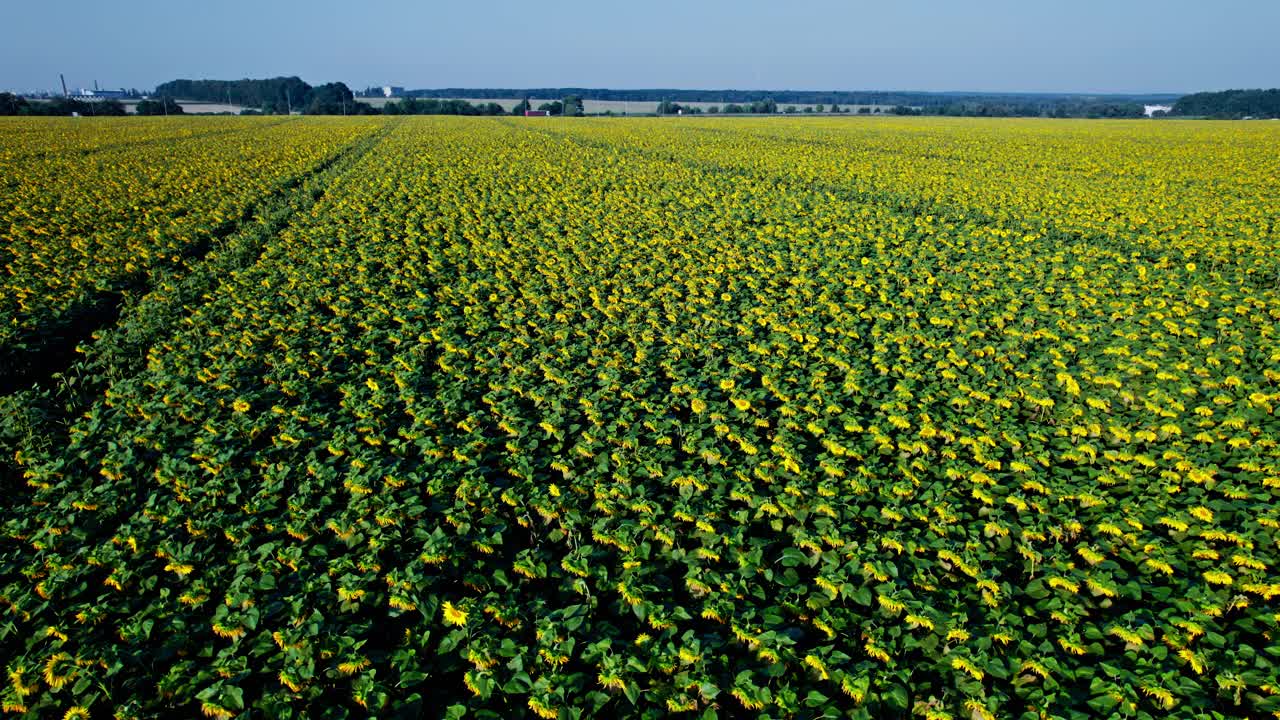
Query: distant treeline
(901,103)
(336,99)
(1230,104)
(734,97)
(782,97)
(433,106)
(284,94)
(271,96)
(11,104)
(1062,109)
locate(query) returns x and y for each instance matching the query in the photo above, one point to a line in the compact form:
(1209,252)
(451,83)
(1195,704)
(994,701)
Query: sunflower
(453,615)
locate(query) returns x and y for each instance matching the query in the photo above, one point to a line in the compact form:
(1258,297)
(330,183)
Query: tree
(159,106)
(572,106)
(552,108)
(1230,104)
(713,109)
(765,106)
(273,95)
(109,108)
(92,108)
(11,104)
(521,107)
(435,106)
(331,99)
(819,108)
(666,107)
(59,107)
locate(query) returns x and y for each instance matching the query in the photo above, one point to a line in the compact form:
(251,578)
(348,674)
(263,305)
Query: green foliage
(571,106)
(64,107)
(11,104)
(432,106)
(734,417)
(275,95)
(1231,104)
(332,99)
(757,107)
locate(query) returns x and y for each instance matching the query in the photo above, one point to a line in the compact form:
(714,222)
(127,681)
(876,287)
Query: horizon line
(527,88)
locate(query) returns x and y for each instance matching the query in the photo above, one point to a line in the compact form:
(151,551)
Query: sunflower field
(572,418)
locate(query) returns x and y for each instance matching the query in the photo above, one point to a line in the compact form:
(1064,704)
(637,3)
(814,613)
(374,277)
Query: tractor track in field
(901,203)
(43,389)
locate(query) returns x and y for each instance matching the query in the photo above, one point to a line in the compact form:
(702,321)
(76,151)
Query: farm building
(102,94)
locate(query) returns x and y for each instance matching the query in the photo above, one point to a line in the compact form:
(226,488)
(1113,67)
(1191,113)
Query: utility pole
(64,85)
(288,98)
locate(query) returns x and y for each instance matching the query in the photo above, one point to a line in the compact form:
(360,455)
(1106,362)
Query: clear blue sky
(991,45)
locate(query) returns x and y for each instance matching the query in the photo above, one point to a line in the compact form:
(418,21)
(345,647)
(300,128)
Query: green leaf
(1103,703)
(896,697)
(451,641)
(232,697)
(816,699)
(411,678)
(1036,590)
(792,557)
(519,684)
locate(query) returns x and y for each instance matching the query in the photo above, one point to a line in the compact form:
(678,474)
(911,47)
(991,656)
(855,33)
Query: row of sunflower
(775,418)
(36,137)
(93,209)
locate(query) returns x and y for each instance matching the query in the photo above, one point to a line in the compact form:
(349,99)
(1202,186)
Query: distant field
(193,106)
(589,106)
(616,106)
